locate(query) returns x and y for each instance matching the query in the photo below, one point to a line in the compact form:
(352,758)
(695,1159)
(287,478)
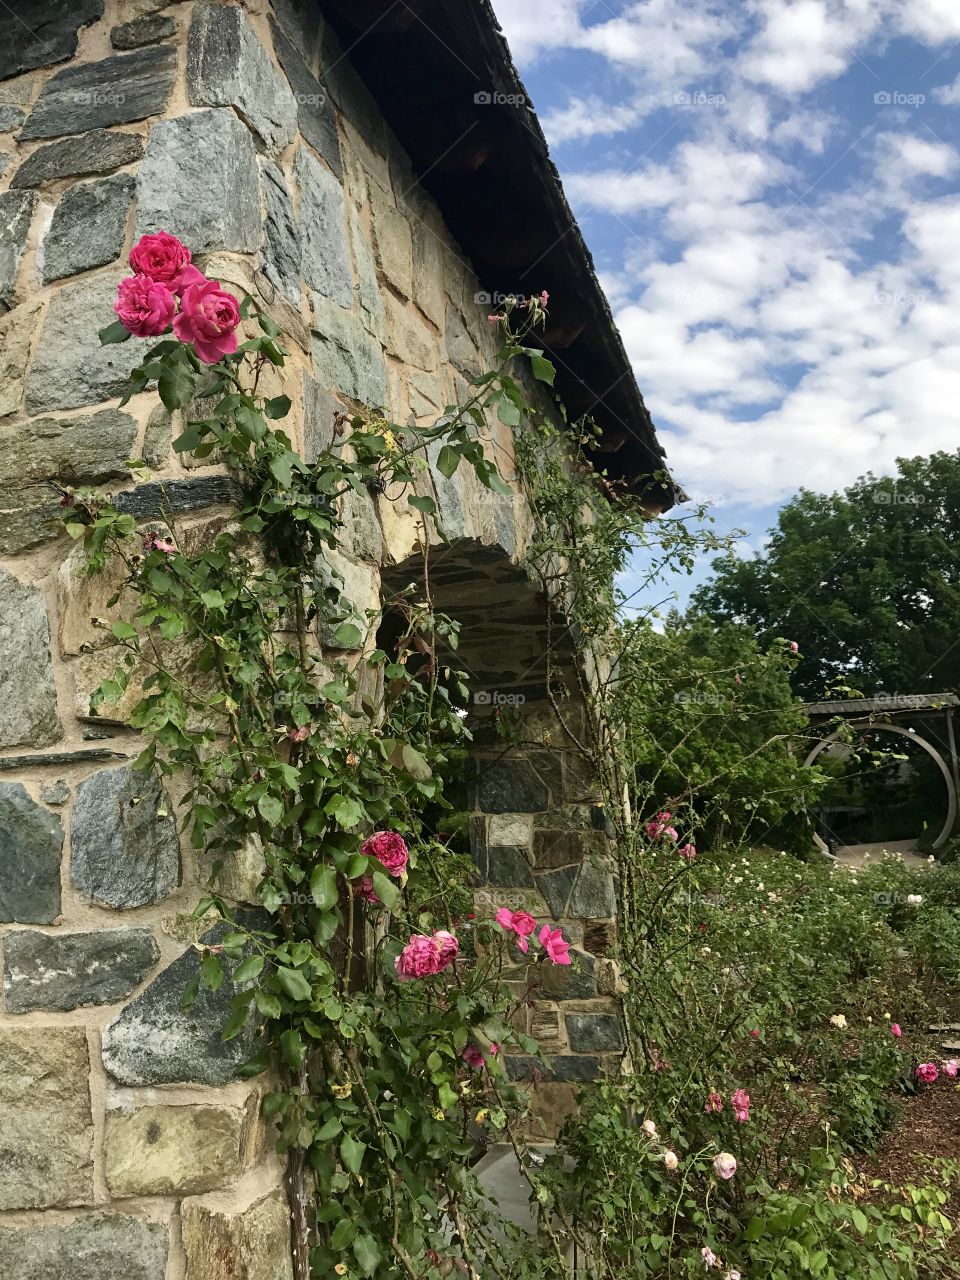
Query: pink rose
(687,851)
(423,957)
(926,1072)
(365,891)
(895,1030)
(951,1068)
(165,259)
(714,1103)
(208,319)
(153,542)
(475,1057)
(554,944)
(740,1101)
(724,1165)
(144,306)
(794,647)
(389,849)
(520,923)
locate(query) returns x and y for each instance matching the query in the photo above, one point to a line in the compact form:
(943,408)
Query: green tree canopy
(866,580)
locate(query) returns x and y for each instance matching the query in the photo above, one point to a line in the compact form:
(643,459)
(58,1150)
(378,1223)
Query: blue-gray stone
(594,1032)
(31,841)
(124,846)
(92,1247)
(63,971)
(16,212)
(93,95)
(326,257)
(88,226)
(346,357)
(282,254)
(227,66)
(28,695)
(97,151)
(556,886)
(316,116)
(142,31)
(51,34)
(199,181)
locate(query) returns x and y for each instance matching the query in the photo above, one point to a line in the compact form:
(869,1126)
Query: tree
(867,581)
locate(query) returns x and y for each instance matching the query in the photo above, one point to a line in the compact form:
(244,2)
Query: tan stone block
(240,871)
(393,243)
(409,338)
(16,335)
(159,1151)
(233,1240)
(46,1133)
(510,828)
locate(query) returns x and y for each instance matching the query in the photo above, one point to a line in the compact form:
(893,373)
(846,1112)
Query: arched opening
(903,799)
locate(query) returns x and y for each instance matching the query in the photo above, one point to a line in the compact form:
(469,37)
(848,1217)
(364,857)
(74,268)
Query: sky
(770,192)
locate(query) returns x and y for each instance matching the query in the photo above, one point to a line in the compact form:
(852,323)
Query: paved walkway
(859,855)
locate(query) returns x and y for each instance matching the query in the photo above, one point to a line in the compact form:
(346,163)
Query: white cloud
(948,94)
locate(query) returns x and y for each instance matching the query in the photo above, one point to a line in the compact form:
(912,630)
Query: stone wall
(127,1148)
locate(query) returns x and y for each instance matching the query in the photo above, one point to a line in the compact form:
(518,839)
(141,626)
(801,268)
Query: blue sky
(770,192)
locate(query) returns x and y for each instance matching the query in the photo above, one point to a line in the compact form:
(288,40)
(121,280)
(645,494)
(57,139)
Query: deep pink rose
(389,849)
(895,1030)
(520,923)
(144,306)
(714,1103)
(365,891)
(473,1057)
(554,944)
(165,259)
(927,1072)
(740,1101)
(422,957)
(208,319)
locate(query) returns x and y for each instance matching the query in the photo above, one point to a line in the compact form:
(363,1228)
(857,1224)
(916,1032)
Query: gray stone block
(152,501)
(504,867)
(569,982)
(316,116)
(98,1247)
(319,408)
(346,357)
(31,843)
(51,35)
(11,118)
(124,847)
(556,886)
(198,181)
(594,1032)
(28,696)
(594,896)
(64,971)
(326,258)
(98,151)
(88,226)
(16,212)
(71,368)
(512,785)
(155,1042)
(142,31)
(281,254)
(228,66)
(93,95)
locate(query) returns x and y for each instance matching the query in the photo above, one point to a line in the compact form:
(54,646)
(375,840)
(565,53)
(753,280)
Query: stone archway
(912,736)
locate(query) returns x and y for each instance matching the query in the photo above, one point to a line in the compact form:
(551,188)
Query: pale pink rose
(649,1128)
(555,945)
(670,1160)
(145,307)
(895,1030)
(794,647)
(208,320)
(544,298)
(153,542)
(658,826)
(687,851)
(714,1103)
(165,259)
(951,1068)
(299,735)
(520,923)
(926,1072)
(389,849)
(710,1259)
(423,957)
(725,1165)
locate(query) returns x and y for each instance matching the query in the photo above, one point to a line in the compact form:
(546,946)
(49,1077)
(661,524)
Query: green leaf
(344,1234)
(292,1049)
(416,764)
(755,1229)
(177,383)
(271,810)
(294,984)
(124,631)
(447,461)
(508,413)
(387,891)
(323,887)
(212,599)
(859,1220)
(278,406)
(542,368)
(367,1254)
(351,1153)
(426,505)
(114,332)
(344,810)
(348,636)
(212,971)
(249,969)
